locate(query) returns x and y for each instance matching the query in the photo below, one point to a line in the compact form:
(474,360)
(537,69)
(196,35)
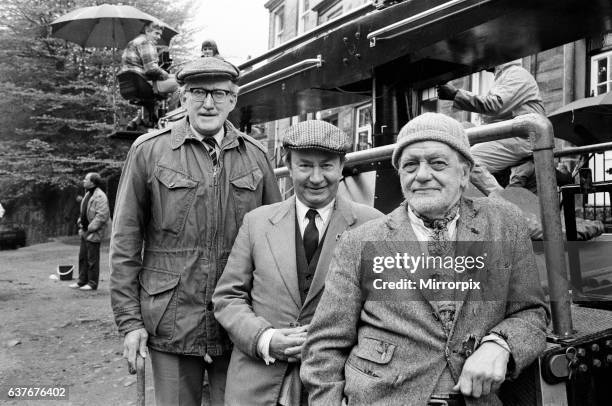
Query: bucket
(65,272)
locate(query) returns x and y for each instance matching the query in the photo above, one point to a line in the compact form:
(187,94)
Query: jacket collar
(181,132)
(342,205)
(398,219)
(470,232)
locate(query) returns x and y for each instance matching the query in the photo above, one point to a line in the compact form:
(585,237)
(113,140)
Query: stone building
(564,74)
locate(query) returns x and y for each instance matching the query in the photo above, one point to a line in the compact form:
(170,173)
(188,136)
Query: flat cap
(317,134)
(208,67)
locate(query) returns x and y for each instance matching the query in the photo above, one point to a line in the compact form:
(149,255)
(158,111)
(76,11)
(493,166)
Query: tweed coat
(97,213)
(392,352)
(259,290)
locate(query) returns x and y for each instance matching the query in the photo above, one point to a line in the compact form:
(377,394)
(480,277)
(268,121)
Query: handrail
(350,16)
(279,75)
(604,146)
(387,32)
(539,130)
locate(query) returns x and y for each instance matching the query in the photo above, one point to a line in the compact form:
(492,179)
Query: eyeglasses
(218,95)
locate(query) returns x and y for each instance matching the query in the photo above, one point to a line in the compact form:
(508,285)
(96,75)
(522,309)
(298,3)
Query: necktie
(212,150)
(311,235)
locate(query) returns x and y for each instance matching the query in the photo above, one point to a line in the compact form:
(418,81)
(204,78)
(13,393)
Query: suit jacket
(391,352)
(259,290)
(97,213)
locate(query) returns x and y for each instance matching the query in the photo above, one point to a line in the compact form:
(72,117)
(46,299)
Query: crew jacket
(176,218)
(514,93)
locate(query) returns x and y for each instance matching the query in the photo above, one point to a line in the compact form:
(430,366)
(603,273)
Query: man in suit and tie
(276,271)
(419,342)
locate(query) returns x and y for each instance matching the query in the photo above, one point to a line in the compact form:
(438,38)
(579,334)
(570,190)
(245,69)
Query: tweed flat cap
(316,134)
(433,127)
(208,67)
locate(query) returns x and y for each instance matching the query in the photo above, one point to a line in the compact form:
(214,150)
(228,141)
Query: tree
(57,105)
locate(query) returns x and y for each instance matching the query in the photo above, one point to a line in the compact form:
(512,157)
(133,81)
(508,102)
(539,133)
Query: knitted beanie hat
(433,127)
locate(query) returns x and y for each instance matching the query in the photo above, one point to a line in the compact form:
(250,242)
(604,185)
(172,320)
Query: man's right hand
(286,343)
(447,92)
(135,342)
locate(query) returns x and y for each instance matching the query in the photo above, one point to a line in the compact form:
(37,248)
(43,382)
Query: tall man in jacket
(416,344)
(276,271)
(514,92)
(92,221)
(181,198)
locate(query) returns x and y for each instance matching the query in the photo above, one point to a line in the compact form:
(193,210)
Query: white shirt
(321,219)
(321,222)
(218,138)
(424,233)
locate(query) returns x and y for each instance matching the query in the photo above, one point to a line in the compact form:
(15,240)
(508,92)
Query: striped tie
(212,149)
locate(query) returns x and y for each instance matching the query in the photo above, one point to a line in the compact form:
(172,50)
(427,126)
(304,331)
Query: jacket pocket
(175,195)
(158,301)
(370,356)
(246,192)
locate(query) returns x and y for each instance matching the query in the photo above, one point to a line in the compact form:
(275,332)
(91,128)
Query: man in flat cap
(404,333)
(181,199)
(276,271)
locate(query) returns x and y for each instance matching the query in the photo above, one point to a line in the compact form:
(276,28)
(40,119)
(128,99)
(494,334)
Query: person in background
(181,198)
(514,92)
(209,48)
(140,56)
(92,221)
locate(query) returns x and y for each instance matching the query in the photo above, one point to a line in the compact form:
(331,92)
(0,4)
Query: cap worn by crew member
(208,68)
(433,127)
(319,135)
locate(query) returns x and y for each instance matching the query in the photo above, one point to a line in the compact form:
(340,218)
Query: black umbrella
(106,25)
(586,121)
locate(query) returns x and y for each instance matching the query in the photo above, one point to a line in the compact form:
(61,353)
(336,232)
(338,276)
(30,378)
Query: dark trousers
(178,379)
(89,263)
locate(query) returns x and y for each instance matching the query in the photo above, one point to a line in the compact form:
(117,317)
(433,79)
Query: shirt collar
(420,228)
(218,136)
(301,209)
(181,131)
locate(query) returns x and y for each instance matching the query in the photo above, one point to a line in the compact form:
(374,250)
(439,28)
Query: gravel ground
(51,335)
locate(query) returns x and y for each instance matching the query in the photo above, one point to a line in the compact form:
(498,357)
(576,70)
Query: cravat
(212,149)
(311,235)
(440,245)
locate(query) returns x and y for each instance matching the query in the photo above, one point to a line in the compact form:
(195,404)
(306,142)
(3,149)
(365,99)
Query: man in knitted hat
(395,328)
(276,271)
(180,201)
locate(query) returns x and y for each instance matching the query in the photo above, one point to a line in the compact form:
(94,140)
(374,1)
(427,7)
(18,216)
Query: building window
(601,82)
(601,78)
(303,14)
(278,21)
(363,127)
(328,10)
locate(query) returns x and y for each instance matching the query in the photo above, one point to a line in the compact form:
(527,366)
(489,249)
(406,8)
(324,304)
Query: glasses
(218,95)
